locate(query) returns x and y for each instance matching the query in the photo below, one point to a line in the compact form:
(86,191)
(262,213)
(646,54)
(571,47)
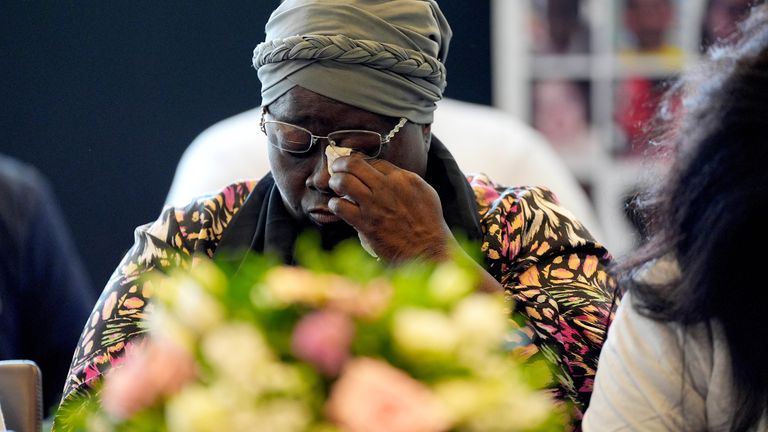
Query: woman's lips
(323,216)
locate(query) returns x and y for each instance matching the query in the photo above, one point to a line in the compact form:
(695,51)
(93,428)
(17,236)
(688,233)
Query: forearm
(487,282)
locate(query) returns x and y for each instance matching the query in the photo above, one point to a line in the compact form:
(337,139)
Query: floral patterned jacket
(546,261)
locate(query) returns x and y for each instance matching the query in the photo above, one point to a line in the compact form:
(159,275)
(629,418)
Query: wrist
(442,249)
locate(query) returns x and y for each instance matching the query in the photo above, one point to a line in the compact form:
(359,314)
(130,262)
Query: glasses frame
(314,138)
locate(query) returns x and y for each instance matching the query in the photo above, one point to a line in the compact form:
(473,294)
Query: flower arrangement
(342,343)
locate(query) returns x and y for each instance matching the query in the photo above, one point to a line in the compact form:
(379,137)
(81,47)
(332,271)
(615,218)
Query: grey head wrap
(383,56)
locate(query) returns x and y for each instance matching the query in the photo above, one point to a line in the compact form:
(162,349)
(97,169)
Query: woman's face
(303,178)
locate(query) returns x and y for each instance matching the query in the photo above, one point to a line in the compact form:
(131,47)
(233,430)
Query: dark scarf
(264,225)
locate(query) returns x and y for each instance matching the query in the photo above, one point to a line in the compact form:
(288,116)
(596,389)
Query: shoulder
(26,199)
(632,333)
(528,218)
(644,342)
(20,184)
(491,196)
(651,374)
(118,317)
(199,225)
(497,201)
(226,200)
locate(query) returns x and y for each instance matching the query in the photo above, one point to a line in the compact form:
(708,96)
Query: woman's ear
(426,131)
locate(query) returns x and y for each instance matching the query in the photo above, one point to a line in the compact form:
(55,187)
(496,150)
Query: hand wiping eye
(332,153)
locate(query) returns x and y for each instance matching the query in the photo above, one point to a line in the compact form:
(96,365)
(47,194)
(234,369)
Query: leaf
(76,409)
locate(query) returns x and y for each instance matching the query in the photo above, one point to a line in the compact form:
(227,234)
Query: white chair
(481,138)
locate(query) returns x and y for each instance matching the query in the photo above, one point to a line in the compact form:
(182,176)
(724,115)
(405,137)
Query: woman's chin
(332,234)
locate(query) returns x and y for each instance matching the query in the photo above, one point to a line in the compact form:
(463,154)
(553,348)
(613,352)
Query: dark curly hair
(711,212)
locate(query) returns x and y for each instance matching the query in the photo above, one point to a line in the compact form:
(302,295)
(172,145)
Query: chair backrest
(21,395)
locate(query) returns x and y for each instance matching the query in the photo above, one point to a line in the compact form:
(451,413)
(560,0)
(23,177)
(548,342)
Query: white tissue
(366,246)
(332,153)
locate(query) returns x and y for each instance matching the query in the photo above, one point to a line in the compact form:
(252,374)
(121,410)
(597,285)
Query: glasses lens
(367,143)
(287,137)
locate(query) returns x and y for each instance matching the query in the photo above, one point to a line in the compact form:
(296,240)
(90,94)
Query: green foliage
(348,259)
(74,412)
(242,277)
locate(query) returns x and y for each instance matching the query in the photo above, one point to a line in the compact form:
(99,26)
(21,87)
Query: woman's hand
(395,210)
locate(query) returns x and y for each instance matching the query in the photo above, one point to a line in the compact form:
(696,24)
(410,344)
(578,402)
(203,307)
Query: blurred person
(686,350)
(649,23)
(365,76)
(561,114)
(637,102)
(721,19)
(45,294)
(560,28)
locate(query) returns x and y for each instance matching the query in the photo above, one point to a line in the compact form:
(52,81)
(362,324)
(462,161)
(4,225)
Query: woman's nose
(319,177)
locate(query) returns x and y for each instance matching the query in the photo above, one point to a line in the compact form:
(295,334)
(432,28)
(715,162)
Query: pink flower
(157,369)
(323,339)
(372,396)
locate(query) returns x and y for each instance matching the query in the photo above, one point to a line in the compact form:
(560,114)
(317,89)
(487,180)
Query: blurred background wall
(103,97)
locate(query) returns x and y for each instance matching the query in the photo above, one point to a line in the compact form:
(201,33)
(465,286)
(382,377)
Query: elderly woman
(363,76)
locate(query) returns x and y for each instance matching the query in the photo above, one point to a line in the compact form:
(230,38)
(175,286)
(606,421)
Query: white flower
(481,319)
(221,406)
(276,377)
(526,410)
(195,307)
(197,409)
(498,403)
(99,423)
(423,331)
(461,398)
(164,326)
(237,351)
(205,272)
(449,282)
(520,410)
(277,415)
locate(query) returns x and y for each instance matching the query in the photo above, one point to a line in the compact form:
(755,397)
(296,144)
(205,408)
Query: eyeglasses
(295,139)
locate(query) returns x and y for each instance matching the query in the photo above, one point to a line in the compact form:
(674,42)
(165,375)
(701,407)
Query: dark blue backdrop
(103,97)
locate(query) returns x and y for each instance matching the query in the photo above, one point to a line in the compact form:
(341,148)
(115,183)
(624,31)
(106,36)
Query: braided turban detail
(383,56)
